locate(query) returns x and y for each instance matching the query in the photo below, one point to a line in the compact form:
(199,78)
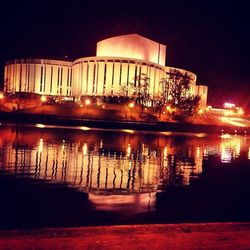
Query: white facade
(105,76)
(41,76)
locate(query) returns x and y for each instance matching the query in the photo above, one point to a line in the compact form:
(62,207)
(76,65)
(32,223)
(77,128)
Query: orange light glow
(168,108)
(39,125)
(240,111)
(87,102)
(1,96)
(43,98)
(129,131)
(84,128)
(131,105)
(200,112)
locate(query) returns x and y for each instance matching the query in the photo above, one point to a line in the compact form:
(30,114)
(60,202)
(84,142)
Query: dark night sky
(210,38)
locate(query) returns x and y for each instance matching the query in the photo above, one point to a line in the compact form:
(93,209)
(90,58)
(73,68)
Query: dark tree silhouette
(175,92)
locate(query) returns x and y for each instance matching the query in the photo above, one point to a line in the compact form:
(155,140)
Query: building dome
(132,46)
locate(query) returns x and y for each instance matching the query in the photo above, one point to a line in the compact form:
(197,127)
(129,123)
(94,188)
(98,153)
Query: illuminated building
(41,76)
(117,62)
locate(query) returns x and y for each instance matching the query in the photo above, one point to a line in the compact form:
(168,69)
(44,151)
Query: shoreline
(228,235)
(154,126)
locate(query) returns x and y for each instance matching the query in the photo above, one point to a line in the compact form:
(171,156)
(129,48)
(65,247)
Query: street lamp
(168,108)
(131,106)
(200,112)
(87,103)
(43,99)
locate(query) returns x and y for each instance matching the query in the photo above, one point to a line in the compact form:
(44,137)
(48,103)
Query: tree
(175,92)
(140,88)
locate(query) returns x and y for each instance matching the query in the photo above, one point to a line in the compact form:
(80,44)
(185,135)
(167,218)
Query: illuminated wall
(202,90)
(41,76)
(106,75)
(132,46)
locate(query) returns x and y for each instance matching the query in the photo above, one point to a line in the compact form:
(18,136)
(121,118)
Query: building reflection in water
(115,168)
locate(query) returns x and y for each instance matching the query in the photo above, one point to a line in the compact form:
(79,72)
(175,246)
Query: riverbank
(167,236)
(48,119)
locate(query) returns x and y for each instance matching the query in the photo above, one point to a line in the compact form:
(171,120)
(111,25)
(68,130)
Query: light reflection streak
(84,128)
(38,125)
(85,149)
(230,149)
(128,150)
(40,146)
(129,131)
(239,122)
(165,153)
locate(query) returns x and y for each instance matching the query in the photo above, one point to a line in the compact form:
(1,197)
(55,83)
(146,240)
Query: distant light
(226,136)
(1,96)
(229,105)
(129,131)
(43,98)
(103,106)
(87,102)
(84,128)
(39,125)
(200,135)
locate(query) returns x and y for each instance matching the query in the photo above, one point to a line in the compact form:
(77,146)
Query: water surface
(59,176)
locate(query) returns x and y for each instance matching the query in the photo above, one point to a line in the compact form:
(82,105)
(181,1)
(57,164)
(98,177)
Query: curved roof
(132,46)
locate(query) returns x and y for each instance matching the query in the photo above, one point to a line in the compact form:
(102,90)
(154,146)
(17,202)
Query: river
(55,176)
